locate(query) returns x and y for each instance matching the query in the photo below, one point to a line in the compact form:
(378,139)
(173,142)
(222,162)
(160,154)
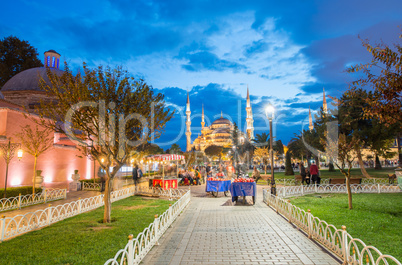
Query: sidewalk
(215,231)
(71,196)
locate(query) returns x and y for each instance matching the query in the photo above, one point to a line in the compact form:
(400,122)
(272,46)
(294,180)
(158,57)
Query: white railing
(46,195)
(335,188)
(90,186)
(20,224)
(350,250)
(325,181)
(138,247)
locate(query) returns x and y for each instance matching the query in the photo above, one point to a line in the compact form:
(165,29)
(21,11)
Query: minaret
(249,119)
(310,120)
(52,59)
(188,124)
(202,118)
(324,102)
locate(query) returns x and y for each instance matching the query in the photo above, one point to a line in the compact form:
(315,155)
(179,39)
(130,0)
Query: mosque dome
(221,121)
(28,80)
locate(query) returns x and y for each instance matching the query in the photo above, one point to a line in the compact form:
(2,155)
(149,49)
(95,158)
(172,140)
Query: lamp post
(270,115)
(8,152)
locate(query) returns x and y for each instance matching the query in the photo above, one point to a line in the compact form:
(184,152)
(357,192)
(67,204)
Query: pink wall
(57,164)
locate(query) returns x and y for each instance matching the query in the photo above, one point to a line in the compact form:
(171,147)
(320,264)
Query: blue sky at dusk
(285,51)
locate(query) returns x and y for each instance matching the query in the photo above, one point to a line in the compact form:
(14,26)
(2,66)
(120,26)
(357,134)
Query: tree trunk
(107,201)
(349,193)
(265,166)
(34,176)
(361,164)
(398,144)
(377,163)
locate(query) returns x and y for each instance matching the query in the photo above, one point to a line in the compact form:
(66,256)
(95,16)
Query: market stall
(215,185)
(243,187)
(163,160)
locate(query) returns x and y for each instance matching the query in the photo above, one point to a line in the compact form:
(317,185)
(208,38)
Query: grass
(375,218)
(83,239)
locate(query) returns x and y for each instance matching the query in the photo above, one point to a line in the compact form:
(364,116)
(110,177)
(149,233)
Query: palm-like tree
(262,139)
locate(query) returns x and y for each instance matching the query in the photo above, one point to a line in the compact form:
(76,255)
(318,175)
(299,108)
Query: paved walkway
(215,231)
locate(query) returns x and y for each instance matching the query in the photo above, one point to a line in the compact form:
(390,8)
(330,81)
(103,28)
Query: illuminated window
(48,61)
(53,61)
(57,63)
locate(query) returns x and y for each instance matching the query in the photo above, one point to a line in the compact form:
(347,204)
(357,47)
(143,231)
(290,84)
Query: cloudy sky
(285,51)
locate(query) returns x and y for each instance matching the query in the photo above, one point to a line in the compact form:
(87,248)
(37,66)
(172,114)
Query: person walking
(314,173)
(135,175)
(303,174)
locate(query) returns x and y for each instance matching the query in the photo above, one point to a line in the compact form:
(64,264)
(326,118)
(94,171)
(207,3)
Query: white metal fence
(90,186)
(350,250)
(14,226)
(325,181)
(336,188)
(46,195)
(138,247)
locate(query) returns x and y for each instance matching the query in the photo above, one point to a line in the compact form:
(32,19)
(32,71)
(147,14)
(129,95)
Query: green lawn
(82,239)
(376,218)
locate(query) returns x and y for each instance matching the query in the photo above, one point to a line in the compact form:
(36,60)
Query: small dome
(221,121)
(29,79)
(1,96)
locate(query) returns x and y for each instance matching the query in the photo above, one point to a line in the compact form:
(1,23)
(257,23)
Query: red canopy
(166,157)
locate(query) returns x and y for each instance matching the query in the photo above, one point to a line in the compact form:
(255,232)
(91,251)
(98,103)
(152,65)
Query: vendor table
(243,189)
(215,186)
(165,183)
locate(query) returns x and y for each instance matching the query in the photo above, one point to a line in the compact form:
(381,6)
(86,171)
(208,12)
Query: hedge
(15,191)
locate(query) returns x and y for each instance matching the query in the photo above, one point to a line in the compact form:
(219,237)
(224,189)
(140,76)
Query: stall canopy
(166,157)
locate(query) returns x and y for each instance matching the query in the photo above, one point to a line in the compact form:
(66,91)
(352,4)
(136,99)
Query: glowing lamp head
(102,160)
(19,153)
(269,111)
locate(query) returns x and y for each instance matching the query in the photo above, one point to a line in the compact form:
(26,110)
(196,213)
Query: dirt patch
(98,228)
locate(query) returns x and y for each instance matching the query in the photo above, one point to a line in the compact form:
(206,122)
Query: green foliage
(82,239)
(376,218)
(15,191)
(214,150)
(383,75)
(288,165)
(175,149)
(262,139)
(16,56)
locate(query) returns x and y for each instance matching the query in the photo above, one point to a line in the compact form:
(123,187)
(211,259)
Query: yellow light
(102,160)
(19,154)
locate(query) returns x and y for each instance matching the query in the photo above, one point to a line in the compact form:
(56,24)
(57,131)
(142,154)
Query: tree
(371,132)
(262,139)
(107,113)
(214,151)
(175,149)
(341,152)
(262,154)
(383,75)
(16,56)
(35,143)
(288,165)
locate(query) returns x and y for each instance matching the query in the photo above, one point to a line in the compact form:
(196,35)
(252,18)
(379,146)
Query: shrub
(15,191)
(288,165)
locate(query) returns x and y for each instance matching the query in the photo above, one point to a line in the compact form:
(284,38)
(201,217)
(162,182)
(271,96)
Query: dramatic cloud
(286,52)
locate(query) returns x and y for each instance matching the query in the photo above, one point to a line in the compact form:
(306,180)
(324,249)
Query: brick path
(214,231)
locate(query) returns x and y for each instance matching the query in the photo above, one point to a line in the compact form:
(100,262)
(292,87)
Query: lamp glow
(20,152)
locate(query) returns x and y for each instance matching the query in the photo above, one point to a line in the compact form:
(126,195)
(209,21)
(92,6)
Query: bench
(343,181)
(298,179)
(356,181)
(336,181)
(266,177)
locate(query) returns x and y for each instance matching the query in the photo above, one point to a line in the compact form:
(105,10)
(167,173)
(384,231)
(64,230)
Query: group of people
(310,176)
(191,176)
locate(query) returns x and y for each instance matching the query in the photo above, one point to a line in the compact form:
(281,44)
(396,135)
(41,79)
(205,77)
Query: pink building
(59,162)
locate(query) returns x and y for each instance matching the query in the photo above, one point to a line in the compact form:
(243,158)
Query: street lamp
(8,152)
(269,111)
